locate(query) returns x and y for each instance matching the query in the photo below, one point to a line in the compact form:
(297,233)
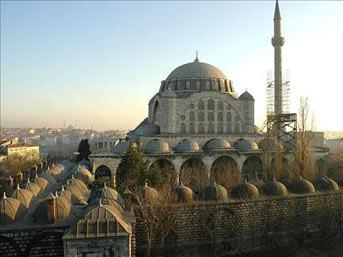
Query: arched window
(211,128)
(210,104)
(237,128)
(228,128)
(229,107)
(178,86)
(191,116)
(220,128)
(201,116)
(228,116)
(210,116)
(207,85)
(220,105)
(183,128)
(220,116)
(188,85)
(236,118)
(201,128)
(191,128)
(198,85)
(201,105)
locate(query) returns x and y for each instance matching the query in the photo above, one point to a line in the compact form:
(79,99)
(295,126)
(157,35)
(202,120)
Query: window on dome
(183,128)
(201,116)
(201,128)
(178,86)
(210,104)
(207,85)
(188,85)
(210,116)
(191,116)
(198,85)
(220,116)
(211,128)
(201,105)
(226,87)
(228,116)
(220,105)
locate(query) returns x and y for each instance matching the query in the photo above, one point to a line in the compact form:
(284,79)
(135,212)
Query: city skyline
(60,65)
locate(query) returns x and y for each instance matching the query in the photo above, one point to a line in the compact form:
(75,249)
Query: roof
(196,70)
(245,191)
(187,146)
(157,146)
(23,195)
(246,96)
(10,210)
(215,192)
(217,144)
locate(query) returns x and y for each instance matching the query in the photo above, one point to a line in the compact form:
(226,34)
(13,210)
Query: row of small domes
(158,146)
(247,190)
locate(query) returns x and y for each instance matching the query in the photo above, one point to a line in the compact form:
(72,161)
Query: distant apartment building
(21,149)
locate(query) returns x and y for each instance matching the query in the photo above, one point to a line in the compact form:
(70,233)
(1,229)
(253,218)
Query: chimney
(51,209)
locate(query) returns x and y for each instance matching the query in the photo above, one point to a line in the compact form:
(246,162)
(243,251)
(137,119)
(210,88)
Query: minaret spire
(277,41)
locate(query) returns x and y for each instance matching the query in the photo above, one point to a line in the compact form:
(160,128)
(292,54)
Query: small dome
(214,192)
(84,174)
(35,189)
(150,194)
(270,143)
(245,191)
(49,177)
(301,186)
(245,145)
(53,209)
(42,182)
(77,195)
(79,183)
(107,201)
(325,184)
(157,146)
(66,194)
(274,188)
(121,147)
(145,128)
(184,193)
(196,70)
(246,96)
(259,183)
(10,210)
(187,146)
(23,195)
(107,192)
(217,144)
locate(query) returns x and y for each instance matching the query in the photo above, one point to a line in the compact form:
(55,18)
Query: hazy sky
(100,62)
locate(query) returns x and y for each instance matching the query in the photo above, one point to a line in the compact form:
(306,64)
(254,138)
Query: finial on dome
(196,56)
(4,196)
(18,187)
(105,185)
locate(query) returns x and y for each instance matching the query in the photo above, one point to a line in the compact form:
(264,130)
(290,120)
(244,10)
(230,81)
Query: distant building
(21,149)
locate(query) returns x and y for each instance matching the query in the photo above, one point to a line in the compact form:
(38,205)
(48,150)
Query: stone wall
(33,242)
(238,227)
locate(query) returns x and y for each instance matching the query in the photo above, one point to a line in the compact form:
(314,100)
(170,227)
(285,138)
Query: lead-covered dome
(196,70)
(274,188)
(10,210)
(245,191)
(215,192)
(301,186)
(157,146)
(325,184)
(217,144)
(187,146)
(23,195)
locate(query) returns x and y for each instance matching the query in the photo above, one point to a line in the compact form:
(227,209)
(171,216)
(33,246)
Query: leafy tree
(133,169)
(83,150)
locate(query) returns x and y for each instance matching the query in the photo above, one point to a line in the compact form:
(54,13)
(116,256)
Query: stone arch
(103,171)
(284,173)
(44,242)
(251,167)
(225,171)
(193,173)
(167,168)
(12,249)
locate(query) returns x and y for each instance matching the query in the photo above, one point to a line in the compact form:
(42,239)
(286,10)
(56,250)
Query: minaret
(277,41)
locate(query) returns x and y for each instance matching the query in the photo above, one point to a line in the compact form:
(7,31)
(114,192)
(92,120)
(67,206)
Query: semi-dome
(245,191)
(196,70)
(23,195)
(184,193)
(35,189)
(301,186)
(10,210)
(49,177)
(274,188)
(149,194)
(217,144)
(53,209)
(121,147)
(325,184)
(245,145)
(187,146)
(157,146)
(214,192)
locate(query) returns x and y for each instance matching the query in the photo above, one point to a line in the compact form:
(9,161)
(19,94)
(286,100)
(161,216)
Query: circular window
(191,106)
(183,117)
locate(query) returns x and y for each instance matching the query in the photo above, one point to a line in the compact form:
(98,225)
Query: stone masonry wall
(33,242)
(239,227)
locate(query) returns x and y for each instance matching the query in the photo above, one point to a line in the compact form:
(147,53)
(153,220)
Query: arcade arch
(225,172)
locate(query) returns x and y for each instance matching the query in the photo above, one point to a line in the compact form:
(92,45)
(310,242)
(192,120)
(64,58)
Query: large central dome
(196,70)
